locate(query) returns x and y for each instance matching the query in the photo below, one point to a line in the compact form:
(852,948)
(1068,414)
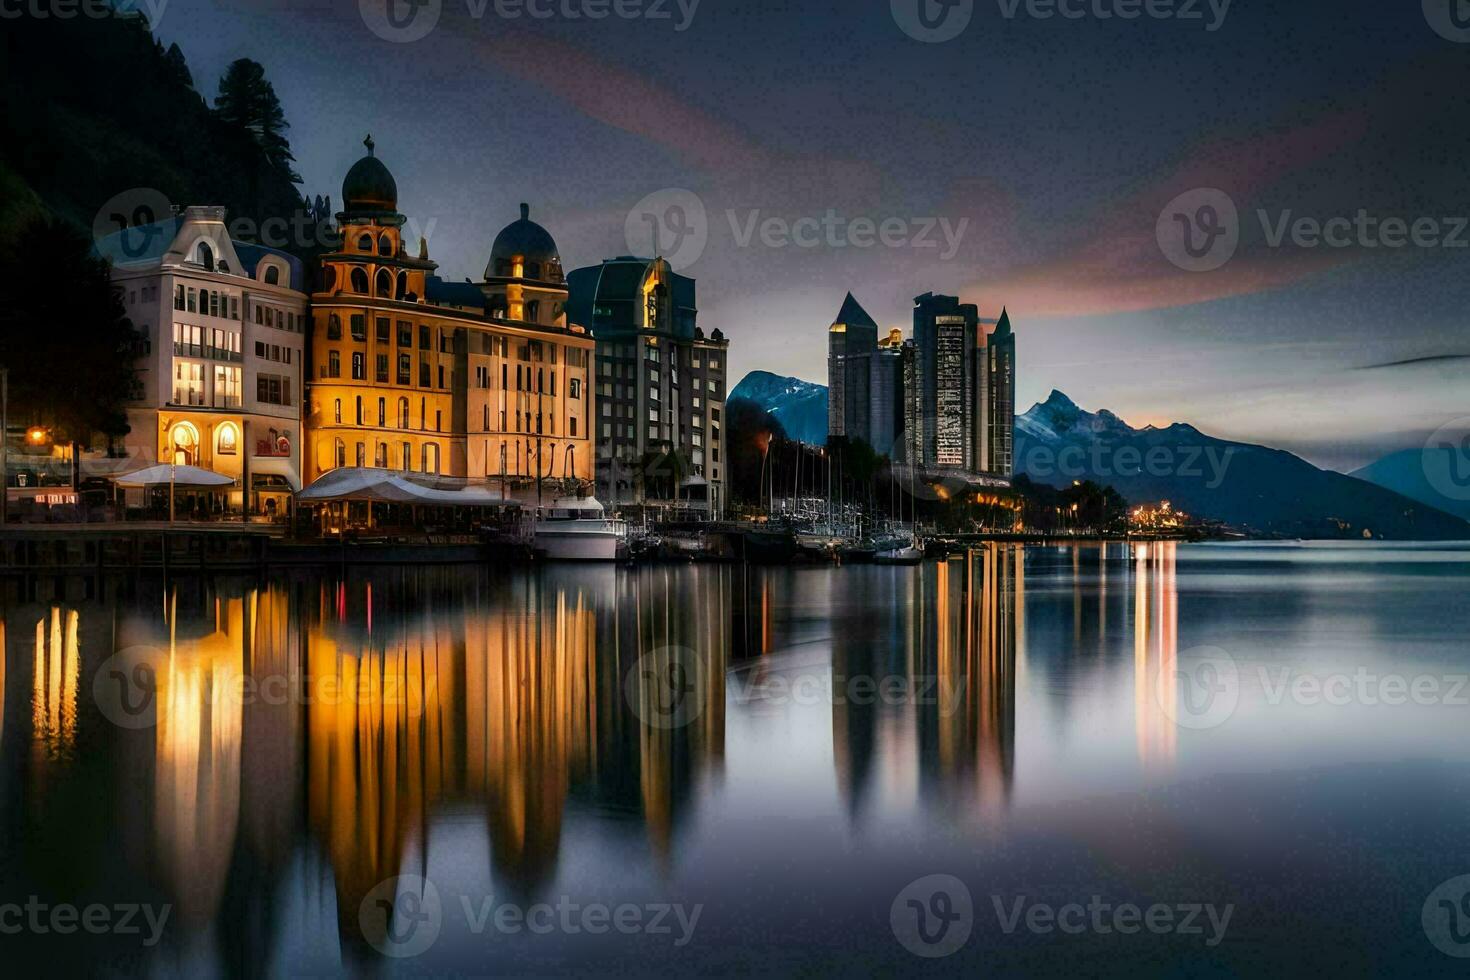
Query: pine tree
(246,99)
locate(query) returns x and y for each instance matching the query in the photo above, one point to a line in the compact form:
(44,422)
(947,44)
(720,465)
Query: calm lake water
(1151,760)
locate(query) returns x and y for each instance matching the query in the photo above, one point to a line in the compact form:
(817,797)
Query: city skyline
(1052,183)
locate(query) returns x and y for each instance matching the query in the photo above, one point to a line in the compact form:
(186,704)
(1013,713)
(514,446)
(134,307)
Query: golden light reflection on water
(55,672)
(950,638)
(1155,653)
(199,697)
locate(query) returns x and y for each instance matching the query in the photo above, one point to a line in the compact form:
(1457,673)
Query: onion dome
(369,186)
(526,245)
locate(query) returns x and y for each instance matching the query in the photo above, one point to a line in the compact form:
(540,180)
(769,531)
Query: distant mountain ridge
(800,406)
(1263,490)
(1407,472)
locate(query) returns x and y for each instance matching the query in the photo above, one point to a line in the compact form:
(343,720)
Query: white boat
(577,529)
(900,553)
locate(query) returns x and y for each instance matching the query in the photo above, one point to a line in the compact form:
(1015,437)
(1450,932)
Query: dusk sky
(1047,147)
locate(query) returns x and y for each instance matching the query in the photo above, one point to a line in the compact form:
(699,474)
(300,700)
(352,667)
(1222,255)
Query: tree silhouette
(65,337)
(246,99)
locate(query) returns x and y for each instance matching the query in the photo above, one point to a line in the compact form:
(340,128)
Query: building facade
(476,382)
(852,341)
(219,383)
(960,414)
(942,400)
(661,386)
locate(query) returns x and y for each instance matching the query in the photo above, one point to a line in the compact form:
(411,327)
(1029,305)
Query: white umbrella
(175,475)
(180,475)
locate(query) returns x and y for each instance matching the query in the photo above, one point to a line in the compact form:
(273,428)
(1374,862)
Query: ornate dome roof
(369,186)
(529,242)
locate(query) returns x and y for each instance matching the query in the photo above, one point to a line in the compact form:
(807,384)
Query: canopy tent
(363,483)
(180,475)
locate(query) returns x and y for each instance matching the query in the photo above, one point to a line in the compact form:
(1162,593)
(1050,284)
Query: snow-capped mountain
(800,406)
(1249,486)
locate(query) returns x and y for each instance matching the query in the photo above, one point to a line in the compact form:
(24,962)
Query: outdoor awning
(179,475)
(363,483)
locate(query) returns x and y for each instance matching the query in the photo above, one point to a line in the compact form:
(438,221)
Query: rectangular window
(226,387)
(380,373)
(405,369)
(425,338)
(385,330)
(574,388)
(405,333)
(424,374)
(273,389)
(188,383)
(334,364)
(359,326)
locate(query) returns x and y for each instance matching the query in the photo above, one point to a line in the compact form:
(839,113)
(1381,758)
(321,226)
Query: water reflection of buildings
(56,669)
(512,703)
(348,715)
(951,634)
(1155,651)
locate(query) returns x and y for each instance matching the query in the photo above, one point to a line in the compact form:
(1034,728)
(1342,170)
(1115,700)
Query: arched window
(402,291)
(185,440)
(205,255)
(334,327)
(385,244)
(329,279)
(359,410)
(359,280)
(272,275)
(337,411)
(385,284)
(403,413)
(382,412)
(365,243)
(227,440)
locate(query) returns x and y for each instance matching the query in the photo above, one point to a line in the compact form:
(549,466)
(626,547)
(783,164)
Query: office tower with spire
(942,400)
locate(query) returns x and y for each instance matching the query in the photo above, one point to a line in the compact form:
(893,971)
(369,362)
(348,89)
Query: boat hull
(577,545)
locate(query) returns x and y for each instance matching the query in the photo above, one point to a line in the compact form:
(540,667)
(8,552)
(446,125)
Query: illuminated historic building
(484,382)
(661,384)
(219,381)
